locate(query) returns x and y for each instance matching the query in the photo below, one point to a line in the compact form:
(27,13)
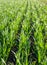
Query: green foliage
(25,21)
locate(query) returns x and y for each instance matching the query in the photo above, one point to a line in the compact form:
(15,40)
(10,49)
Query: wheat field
(23,32)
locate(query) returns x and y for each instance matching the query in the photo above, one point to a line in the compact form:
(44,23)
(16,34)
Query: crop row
(23,25)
